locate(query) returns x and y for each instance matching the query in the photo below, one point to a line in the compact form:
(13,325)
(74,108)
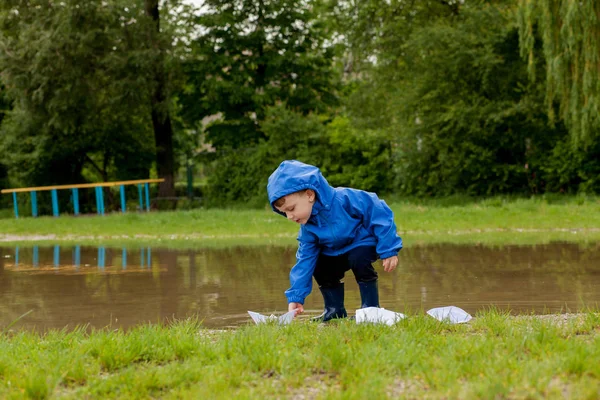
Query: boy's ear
(311,195)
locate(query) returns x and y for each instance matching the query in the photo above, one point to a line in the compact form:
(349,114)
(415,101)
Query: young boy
(340,229)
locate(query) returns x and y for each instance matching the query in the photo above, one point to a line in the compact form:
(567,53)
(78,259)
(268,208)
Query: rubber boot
(369,294)
(333,298)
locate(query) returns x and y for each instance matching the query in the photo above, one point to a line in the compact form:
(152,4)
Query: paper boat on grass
(378,316)
(450,314)
(281,320)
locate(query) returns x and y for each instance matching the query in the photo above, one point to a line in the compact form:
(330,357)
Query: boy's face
(298,206)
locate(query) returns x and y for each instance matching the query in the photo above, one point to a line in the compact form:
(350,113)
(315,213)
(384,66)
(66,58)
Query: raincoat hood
(292,176)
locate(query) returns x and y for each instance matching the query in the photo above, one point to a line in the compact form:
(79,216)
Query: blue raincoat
(341,219)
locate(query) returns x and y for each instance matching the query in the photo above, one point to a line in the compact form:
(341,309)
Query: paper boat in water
(281,320)
(378,315)
(450,314)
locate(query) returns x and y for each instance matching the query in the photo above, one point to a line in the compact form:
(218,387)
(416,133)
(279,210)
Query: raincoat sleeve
(301,274)
(377,218)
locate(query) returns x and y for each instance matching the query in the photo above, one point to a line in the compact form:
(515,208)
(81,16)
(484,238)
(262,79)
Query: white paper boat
(377,315)
(282,320)
(450,314)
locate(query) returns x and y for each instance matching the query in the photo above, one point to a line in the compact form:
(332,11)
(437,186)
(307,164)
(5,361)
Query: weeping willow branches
(570,34)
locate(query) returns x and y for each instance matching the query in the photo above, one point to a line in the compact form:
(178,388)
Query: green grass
(494,356)
(496,220)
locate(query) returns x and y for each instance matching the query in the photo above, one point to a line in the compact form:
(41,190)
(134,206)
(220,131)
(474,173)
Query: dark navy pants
(330,270)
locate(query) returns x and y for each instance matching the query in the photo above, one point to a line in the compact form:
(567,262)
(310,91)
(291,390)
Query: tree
(161,119)
(4,108)
(467,122)
(570,35)
(5,105)
(444,80)
(251,55)
(90,82)
(76,74)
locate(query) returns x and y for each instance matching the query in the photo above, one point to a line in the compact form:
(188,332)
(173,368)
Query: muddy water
(69,286)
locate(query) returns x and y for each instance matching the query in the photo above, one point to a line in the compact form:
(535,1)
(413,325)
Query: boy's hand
(389,264)
(296,306)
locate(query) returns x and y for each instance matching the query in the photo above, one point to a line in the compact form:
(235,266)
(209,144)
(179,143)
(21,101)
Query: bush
(572,169)
(470,120)
(346,156)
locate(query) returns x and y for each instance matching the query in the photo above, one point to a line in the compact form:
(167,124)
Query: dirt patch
(558,319)
(407,389)
(313,387)
(26,238)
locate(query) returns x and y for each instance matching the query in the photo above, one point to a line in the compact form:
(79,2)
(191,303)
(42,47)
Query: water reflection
(67,286)
(29,258)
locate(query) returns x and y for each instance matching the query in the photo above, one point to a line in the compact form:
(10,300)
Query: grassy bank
(494,356)
(495,220)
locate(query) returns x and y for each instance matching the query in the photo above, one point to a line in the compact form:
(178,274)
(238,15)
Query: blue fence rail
(145,258)
(142,184)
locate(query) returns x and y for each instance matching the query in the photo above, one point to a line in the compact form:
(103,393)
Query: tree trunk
(161,121)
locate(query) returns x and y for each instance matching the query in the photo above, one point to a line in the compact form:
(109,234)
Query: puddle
(98,286)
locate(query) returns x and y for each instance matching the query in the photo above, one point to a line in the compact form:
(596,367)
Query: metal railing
(142,185)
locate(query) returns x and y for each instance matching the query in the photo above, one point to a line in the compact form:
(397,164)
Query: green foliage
(79,92)
(438,101)
(569,168)
(570,34)
(358,158)
(346,156)
(374,32)
(240,176)
(251,55)
(421,98)
(463,116)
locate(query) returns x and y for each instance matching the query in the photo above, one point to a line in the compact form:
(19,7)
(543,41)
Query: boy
(340,229)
